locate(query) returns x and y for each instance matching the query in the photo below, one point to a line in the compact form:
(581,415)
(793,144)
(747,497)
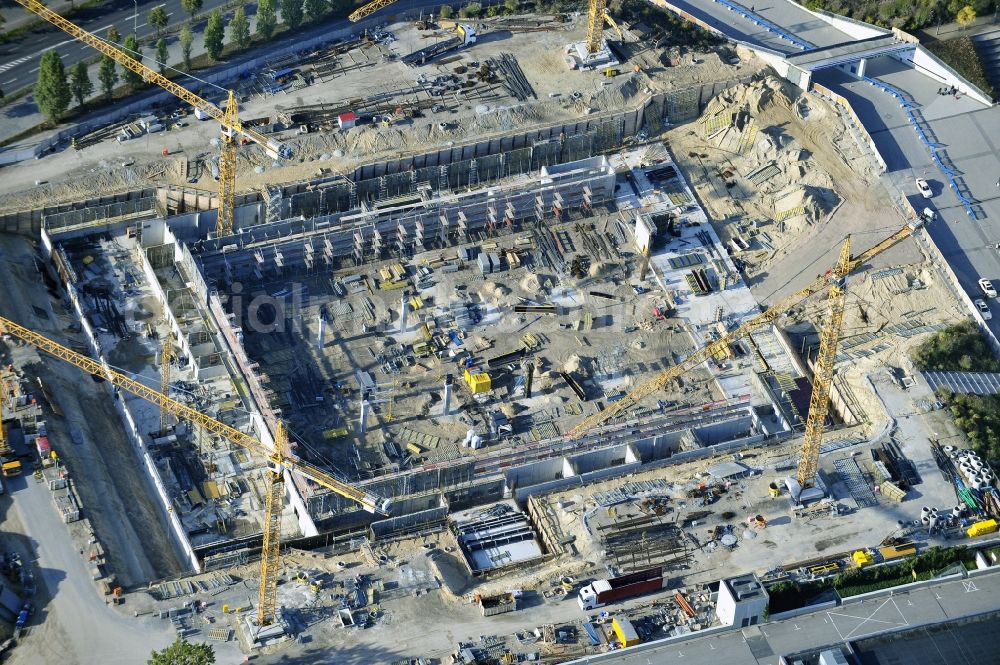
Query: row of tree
(56,87)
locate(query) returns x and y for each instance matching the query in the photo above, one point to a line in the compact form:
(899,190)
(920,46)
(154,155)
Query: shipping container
(601,592)
(479,382)
(897,551)
(625,632)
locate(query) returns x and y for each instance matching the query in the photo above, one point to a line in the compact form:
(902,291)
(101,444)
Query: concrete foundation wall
(600,459)
(30,221)
(179,535)
(536,473)
(710,435)
(856,29)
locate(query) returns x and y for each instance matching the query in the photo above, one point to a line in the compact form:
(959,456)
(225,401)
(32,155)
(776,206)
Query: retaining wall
(860,132)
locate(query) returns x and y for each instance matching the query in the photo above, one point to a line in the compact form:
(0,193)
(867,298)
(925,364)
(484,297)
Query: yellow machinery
(721,344)
(368,10)
(982,528)
(819,401)
(228,118)
(278,458)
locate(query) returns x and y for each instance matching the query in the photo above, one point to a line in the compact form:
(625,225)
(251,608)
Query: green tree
(214,35)
(191,6)
(186,39)
(966,16)
(113,35)
(510,6)
(470,10)
(316,9)
(108,76)
(291,13)
(79,83)
(158,18)
(445,11)
(131,47)
(162,54)
(267,20)
(52,93)
(239,28)
(182,652)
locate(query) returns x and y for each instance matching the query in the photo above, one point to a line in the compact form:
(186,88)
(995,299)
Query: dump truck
(601,592)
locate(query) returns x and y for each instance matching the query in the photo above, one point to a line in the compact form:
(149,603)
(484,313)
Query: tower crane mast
(228,117)
(279,460)
(721,344)
(166,358)
(819,400)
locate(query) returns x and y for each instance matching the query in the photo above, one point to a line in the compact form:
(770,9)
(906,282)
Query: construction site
(460,331)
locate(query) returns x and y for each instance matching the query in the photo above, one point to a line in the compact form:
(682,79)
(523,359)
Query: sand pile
(572,364)
(530,284)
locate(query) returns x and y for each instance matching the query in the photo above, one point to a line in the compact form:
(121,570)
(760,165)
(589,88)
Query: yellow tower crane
(279,460)
(166,358)
(720,345)
(819,401)
(368,10)
(228,117)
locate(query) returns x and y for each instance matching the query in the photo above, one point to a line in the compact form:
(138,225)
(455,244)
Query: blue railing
(936,149)
(767,25)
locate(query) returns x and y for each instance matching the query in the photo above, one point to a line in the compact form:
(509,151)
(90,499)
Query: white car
(987,287)
(983,309)
(925,189)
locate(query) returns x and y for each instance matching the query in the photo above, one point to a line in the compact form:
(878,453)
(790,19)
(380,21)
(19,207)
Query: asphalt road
(969,133)
(87,630)
(19,57)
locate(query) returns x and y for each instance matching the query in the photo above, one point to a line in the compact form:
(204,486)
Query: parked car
(924,188)
(983,309)
(987,287)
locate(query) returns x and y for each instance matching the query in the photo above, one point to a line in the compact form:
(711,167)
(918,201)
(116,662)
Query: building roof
(347,116)
(745,587)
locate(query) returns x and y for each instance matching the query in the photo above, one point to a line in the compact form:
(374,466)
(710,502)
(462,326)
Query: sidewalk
(953,30)
(17,16)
